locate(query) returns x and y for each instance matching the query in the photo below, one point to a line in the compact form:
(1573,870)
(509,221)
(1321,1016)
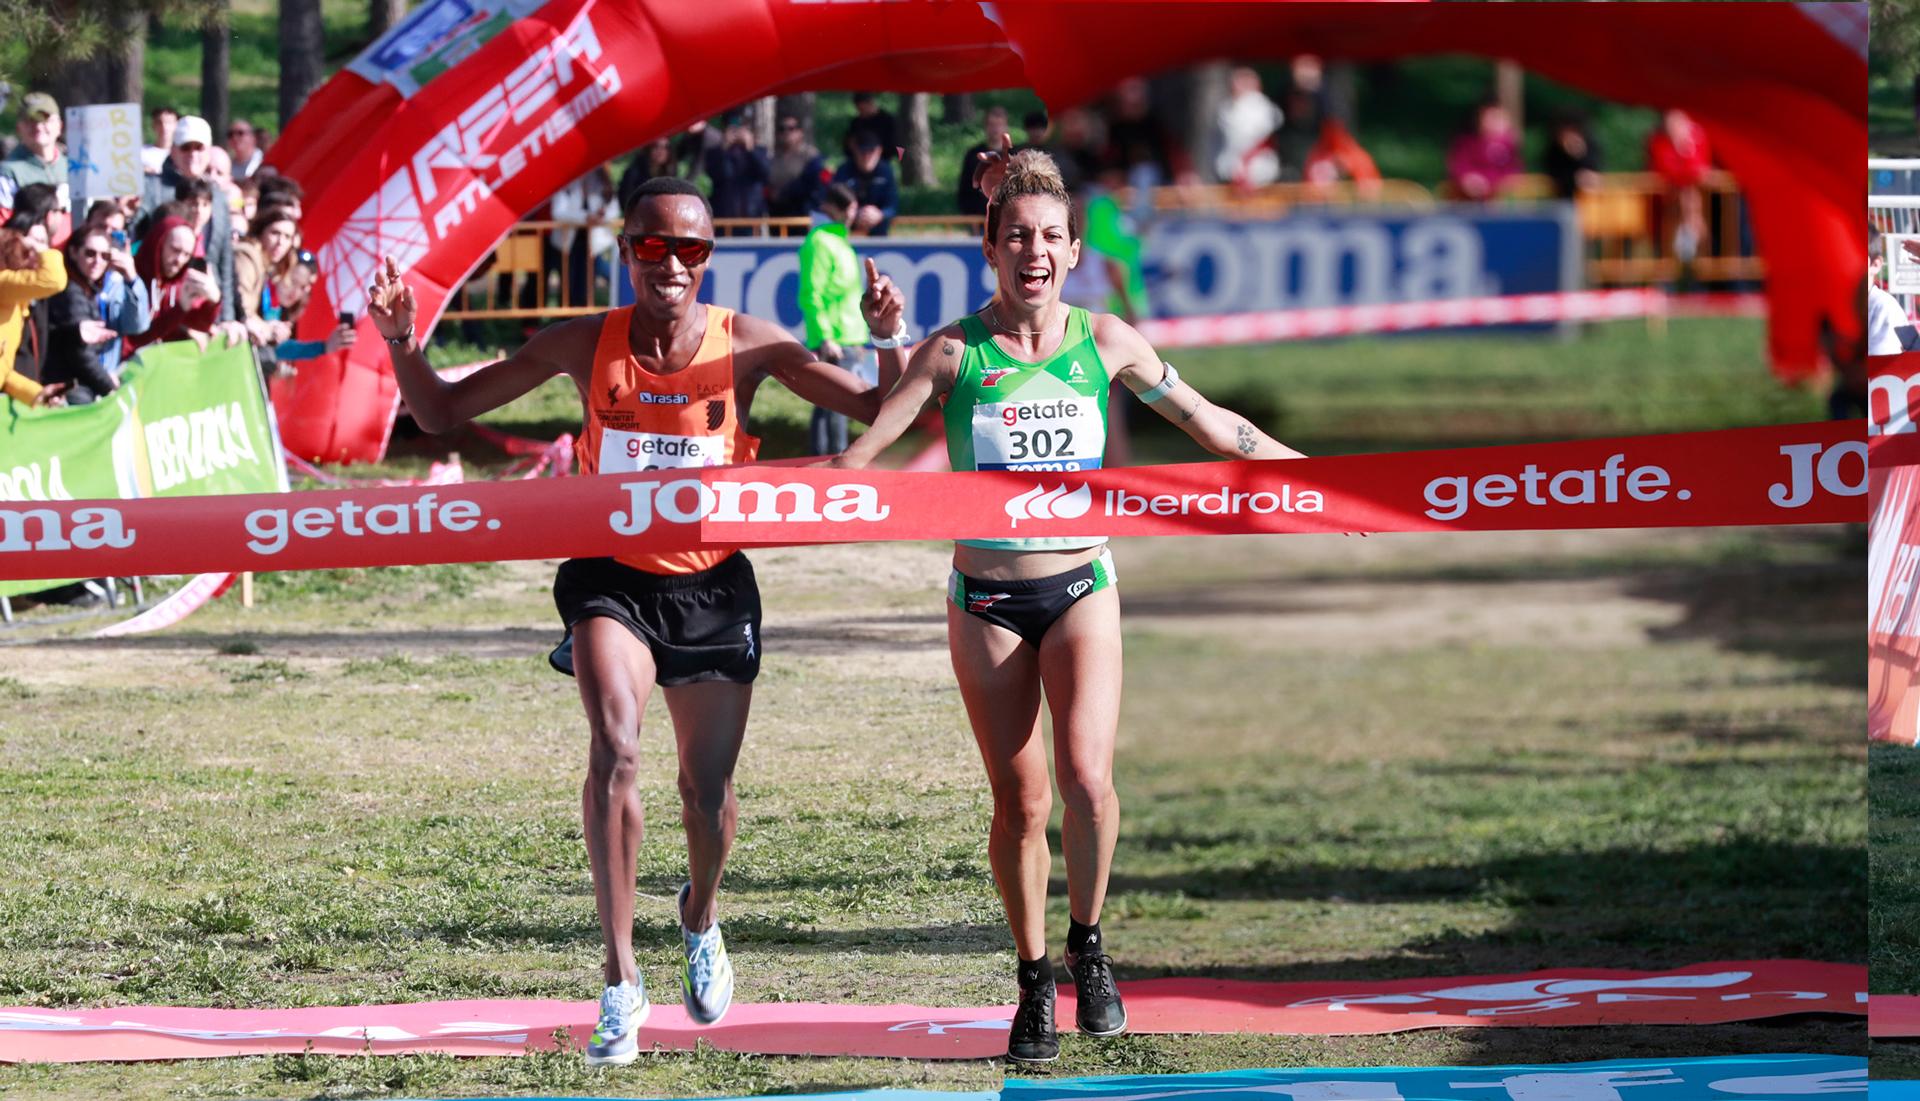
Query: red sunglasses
(652,249)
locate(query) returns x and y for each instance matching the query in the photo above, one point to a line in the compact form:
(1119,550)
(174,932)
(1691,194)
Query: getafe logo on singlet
(626,452)
(1009,415)
(663,421)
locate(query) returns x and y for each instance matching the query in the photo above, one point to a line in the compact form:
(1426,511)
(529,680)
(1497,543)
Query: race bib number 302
(626,452)
(1056,434)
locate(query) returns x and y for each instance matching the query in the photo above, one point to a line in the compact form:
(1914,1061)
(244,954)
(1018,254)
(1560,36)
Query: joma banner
(1791,474)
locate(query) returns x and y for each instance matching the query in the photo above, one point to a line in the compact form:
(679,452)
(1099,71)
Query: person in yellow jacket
(29,270)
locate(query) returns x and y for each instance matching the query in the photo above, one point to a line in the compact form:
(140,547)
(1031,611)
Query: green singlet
(1007,414)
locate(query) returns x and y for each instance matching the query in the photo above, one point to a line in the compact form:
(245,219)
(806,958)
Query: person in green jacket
(830,289)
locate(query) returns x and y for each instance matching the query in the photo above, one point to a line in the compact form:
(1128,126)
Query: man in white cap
(191,159)
(38,158)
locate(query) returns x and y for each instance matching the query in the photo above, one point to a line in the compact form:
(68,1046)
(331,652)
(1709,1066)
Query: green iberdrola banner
(183,423)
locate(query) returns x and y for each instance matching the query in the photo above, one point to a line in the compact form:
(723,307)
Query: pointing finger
(873,272)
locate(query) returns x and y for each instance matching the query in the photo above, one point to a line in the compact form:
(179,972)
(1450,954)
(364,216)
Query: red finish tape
(1785,474)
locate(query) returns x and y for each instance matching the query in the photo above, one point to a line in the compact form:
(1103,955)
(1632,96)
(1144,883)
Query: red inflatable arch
(520,99)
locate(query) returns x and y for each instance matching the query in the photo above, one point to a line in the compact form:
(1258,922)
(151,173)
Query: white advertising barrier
(1903,262)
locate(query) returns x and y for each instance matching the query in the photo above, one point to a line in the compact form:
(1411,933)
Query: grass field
(1403,756)
(1894,868)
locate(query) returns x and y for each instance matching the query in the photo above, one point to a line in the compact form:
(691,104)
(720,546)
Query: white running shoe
(706,979)
(623,1009)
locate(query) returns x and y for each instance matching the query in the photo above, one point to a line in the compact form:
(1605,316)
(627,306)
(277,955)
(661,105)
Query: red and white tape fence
(1787,474)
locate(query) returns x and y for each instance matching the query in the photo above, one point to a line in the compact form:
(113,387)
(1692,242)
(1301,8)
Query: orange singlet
(637,420)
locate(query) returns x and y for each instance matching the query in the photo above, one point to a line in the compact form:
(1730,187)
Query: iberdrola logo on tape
(1041,503)
(689,501)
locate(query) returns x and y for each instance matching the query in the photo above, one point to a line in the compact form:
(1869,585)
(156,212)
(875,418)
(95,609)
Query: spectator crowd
(209,247)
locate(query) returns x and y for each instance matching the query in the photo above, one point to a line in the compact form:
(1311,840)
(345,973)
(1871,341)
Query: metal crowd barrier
(1893,202)
(1627,223)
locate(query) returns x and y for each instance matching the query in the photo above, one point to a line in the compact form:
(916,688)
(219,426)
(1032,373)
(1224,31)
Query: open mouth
(668,291)
(1034,278)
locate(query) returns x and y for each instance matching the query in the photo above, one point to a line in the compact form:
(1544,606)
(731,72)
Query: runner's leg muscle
(615,673)
(1080,667)
(1000,684)
(709,724)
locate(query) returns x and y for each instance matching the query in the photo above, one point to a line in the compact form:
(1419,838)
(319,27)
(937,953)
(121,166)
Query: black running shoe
(1099,1012)
(1033,1039)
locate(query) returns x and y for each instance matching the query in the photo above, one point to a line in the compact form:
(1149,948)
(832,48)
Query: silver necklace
(1002,326)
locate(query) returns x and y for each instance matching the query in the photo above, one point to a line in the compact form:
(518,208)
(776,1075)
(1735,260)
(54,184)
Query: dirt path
(881,603)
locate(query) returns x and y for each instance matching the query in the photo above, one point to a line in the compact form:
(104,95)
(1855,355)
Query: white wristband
(898,340)
(1167,383)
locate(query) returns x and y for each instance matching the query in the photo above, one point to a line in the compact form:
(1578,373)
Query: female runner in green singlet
(1024,384)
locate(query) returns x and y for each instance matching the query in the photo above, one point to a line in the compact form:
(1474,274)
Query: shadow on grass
(470,642)
(1893,929)
(746,931)
(1804,613)
(1807,1034)
(1606,907)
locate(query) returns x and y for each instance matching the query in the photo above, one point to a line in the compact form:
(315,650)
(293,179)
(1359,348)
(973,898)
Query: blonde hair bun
(1032,172)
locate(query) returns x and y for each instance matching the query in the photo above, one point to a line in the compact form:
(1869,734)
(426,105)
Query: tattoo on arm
(1187,413)
(1245,439)
(946,348)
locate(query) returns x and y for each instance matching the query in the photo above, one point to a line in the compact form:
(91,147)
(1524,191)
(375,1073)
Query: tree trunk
(800,106)
(1343,100)
(127,68)
(302,50)
(76,83)
(916,161)
(1510,88)
(382,15)
(760,114)
(216,40)
(957,108)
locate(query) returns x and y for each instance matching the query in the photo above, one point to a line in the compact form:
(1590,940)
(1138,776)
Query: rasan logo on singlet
(688,501)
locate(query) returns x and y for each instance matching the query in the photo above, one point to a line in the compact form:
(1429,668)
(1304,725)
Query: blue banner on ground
(1733,1078)
(1893,1091)
(1752,1077)
(1205,265)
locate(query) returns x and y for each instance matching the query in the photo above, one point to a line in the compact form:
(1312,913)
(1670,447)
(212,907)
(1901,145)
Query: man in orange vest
(666,382)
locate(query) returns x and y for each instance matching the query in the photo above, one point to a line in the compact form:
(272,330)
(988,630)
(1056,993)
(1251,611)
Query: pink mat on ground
(1710,993)
(1894,1016)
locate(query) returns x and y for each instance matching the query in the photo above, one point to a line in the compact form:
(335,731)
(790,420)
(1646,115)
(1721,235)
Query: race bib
(626,452)
(1055,434)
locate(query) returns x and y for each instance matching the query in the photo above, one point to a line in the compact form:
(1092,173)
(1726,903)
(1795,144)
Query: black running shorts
(1029,608)
(698,626)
